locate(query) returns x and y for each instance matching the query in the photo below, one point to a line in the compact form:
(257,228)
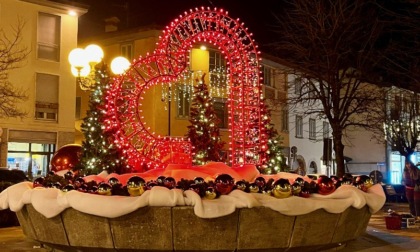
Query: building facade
(49,32)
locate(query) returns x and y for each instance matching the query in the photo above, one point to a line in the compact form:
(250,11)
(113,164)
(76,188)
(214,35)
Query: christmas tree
(275,161)
(99,153)
(204,130)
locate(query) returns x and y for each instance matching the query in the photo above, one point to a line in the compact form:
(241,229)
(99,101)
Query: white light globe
(77,57)
(94,53)
(119,65)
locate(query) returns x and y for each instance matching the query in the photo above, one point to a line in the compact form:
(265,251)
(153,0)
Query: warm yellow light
(203,47)
(83,72)
(119,65)
(94,53)
(77,57)
(72,13)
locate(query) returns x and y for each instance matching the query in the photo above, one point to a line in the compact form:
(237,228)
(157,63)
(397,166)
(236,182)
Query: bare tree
(12,55)
(402,127)
(332,47)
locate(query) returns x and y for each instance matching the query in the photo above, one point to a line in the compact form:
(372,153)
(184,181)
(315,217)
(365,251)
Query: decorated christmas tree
(99,153)
(204,131)
(275,161)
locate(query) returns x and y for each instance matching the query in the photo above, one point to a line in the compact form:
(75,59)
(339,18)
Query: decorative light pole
(84,62)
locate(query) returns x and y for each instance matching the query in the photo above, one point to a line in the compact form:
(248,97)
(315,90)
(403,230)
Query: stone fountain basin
(178,228)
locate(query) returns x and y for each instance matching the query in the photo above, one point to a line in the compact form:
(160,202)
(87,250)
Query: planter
(179,229)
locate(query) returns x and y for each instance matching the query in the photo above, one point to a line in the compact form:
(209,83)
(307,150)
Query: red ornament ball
(66,158)
(224,184)
(38,182)
(325,185)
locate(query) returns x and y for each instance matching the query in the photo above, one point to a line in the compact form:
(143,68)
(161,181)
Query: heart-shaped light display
(145,150)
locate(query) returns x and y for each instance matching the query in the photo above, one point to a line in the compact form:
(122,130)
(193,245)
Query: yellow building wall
(24,77)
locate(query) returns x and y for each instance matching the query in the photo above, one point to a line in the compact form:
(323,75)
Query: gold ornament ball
(210,193)
(282,189)
(104,189)
(136,186)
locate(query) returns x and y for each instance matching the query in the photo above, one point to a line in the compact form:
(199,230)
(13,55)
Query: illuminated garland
(146,150)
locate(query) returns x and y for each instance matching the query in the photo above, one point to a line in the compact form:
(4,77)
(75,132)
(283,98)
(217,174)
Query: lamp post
(84,62)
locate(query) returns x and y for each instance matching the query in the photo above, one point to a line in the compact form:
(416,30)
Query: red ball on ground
(66,158)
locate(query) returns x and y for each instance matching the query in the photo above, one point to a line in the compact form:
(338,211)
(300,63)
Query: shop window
(31,158)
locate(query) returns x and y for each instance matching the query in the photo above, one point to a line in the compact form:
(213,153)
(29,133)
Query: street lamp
(83,65)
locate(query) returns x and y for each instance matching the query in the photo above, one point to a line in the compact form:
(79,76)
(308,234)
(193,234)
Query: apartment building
(49,33)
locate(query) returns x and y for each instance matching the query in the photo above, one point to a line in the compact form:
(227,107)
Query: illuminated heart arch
(144,149)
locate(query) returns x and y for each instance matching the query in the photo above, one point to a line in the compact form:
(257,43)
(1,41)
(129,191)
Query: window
(220,108)
(127,51)
(268,76)
(298,86)
(299,126)
(217,61)
(49,36)
(46,104)
(269,93)
(217,70)
(183,102)
(312,129)
(285,120)
(31,158)
(325,129)
(312,91)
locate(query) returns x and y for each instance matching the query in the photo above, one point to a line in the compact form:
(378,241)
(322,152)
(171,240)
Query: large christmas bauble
(151,184)
(169,182)
(254,188)
(365,180)
(195,188)
(240,185)
(224,184)
(305,192)
(67,188)
(282,188)
(360,185)
(136,186)
(260,181)
(104,189)
(66,158)
(113,181)
(160,180)
(78,182)
(38,182)
(325,185)
(296,189)
(300,181)
(199,180)
(210,193)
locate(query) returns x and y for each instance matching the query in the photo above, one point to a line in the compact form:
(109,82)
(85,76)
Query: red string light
(144,149)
